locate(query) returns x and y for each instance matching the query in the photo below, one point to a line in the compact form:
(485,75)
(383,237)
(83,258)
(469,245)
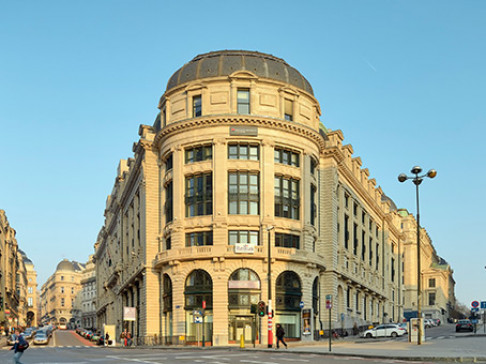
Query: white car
(384,330)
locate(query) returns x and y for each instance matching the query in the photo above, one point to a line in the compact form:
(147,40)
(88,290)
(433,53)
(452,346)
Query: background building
(17,280)
(59,292)
(236,168)
(88,296)
(438,298)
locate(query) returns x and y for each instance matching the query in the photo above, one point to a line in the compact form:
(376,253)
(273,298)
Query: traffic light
(261,309)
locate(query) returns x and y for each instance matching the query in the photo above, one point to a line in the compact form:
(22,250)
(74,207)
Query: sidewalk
(470,349)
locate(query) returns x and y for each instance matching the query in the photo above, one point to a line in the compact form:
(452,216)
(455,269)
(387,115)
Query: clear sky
(404,80)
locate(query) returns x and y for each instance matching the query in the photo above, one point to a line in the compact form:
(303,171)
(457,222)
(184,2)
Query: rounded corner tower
(238,137)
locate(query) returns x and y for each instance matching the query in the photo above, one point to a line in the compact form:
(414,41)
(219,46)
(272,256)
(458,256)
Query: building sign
(129,313)
(244,284)
(241,130)
(244,248)
(306,322)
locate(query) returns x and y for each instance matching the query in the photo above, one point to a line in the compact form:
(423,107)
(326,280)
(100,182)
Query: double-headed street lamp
(417,180)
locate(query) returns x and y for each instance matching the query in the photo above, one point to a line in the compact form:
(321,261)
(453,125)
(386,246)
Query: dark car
(464,325)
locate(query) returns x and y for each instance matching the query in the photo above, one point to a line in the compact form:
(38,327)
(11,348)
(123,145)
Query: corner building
(238,160)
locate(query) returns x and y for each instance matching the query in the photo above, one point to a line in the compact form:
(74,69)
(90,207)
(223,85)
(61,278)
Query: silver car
(384,330)
(41,338)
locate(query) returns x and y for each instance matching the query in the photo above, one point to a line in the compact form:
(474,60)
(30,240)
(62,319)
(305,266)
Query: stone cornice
(213,120)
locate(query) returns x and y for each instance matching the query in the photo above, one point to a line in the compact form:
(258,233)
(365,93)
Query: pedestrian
(123,338)
(19,346)
(129,339)
(107,337)
(280,335)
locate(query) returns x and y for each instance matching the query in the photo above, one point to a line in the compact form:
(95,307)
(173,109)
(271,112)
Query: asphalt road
(97,355)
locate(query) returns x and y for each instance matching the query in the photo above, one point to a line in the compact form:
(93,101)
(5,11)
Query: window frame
(239,197)
(291,202)
(243,105)
(199,202)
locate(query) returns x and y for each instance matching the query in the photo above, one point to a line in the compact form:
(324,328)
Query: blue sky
(404,80)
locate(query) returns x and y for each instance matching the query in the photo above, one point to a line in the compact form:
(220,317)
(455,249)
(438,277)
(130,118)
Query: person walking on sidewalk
(280,335)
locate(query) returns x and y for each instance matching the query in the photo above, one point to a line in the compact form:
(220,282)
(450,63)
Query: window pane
(243,207)
(253,208)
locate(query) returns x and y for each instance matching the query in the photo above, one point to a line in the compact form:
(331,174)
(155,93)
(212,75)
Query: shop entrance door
(242,325)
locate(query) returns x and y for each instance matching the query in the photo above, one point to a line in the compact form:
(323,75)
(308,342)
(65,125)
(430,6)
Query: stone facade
(88,296)
(59,292)
(17,279)
(438,298)
(236,168)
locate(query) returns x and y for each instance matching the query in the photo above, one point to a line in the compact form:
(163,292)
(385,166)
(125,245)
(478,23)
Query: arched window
(243,288)
(315,296)
(198,288)
(167,295)
(288,291)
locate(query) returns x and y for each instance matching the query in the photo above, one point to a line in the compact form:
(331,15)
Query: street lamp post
(417,180)
(269,306)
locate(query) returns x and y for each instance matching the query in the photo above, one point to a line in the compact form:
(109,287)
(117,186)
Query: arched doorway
(243,291)
(167,308)
(289,294)
(30,319)
(199,292)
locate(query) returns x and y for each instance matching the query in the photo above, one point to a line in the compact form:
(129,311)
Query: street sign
(483,304)
(475,309)
(198,319)
(301,304)
(475,304)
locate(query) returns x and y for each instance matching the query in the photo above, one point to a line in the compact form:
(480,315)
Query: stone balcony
(228,252)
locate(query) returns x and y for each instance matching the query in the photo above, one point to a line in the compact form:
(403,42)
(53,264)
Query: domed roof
(226,62)
(385,198)
(65,265)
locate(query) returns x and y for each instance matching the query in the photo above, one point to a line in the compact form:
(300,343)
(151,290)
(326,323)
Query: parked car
(11,340)
(403,325)
(464,325)
(384,330)
(28,333)
(41,338)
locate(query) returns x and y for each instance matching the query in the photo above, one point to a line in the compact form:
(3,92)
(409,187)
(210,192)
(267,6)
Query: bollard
(242,341)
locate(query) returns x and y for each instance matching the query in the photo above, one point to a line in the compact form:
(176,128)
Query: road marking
(287,359)
(130,359)
(258,362)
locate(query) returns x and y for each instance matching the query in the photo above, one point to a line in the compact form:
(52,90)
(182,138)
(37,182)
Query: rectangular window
(348,298)
(392,269)
(313,166)
(431,298)
(313,205)
(243,237)
(196,106)
(199,238)
(169,203)
(287,197)
(431,282)
(199,195)
(346,231)
(30,290)
(168,163)
(370,251)
(243,151)
(243,193)
(199,154)
(72,290)
(355,241)
(363,246)
(62,289)
(288,157)
(289,110)
(62,302)
(377,255)
(287,240)
(30,301)
(243,99)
